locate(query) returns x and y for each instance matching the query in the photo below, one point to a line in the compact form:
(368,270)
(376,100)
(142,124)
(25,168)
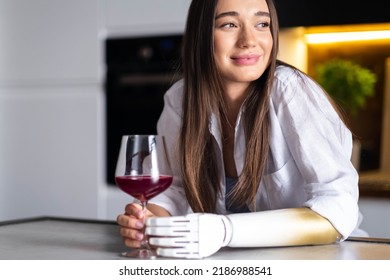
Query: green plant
(348,83)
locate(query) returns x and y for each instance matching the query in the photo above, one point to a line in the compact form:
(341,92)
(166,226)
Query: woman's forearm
(285,227)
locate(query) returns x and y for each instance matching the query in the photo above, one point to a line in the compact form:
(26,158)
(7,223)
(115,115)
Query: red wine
(143,187)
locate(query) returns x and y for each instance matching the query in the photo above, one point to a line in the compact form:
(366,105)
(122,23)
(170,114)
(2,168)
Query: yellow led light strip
(334,37)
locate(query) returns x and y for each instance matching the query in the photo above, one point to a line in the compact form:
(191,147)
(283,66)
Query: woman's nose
(247,38)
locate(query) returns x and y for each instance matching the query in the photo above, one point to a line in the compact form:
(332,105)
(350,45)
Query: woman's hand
(132,222)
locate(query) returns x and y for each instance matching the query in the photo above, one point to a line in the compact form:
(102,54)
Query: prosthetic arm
(201,235)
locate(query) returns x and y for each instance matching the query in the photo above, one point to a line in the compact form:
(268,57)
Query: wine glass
(143,171)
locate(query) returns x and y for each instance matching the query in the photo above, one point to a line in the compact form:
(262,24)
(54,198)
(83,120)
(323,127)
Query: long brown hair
(203,96)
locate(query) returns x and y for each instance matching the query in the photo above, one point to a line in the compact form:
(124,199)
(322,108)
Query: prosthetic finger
(167,231)
(172,226)
(171,241)
(170,221)
(190,252)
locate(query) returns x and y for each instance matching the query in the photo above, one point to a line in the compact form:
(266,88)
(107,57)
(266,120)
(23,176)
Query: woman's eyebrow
(235,14)
(227,14)
(263,14)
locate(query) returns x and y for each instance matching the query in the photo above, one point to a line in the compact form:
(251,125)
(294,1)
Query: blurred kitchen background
(75,75)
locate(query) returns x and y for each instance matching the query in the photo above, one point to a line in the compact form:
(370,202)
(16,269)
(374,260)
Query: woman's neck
(235,95)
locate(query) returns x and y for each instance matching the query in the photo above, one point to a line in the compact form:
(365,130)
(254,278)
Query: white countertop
(70,239)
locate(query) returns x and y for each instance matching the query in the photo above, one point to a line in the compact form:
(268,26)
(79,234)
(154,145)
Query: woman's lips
(247,59)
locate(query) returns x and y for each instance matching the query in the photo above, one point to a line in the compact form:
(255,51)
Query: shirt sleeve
(321,146)
(173,199)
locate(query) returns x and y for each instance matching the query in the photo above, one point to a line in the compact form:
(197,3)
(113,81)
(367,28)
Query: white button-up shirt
(309,161)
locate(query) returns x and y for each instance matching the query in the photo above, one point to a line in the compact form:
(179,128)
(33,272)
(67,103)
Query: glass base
(140,254)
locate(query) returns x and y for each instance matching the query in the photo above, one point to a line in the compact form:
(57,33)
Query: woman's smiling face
(242,40)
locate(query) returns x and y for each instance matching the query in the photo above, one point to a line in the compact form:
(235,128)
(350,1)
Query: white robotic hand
(190,236)
(201,235)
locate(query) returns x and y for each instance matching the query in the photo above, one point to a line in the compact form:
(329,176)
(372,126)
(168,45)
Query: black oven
(138,73)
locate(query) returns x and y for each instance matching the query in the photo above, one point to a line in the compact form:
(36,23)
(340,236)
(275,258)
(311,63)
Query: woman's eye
(228,25)
(263,24)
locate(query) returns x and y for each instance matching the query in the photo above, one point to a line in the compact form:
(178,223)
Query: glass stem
(144,242)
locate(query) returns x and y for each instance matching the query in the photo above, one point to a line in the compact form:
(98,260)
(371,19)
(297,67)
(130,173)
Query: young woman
(251,135)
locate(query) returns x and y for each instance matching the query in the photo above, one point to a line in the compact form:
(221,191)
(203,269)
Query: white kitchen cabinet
(51,109)
(48,41)
(49,143)
(131,17)
(52,102)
